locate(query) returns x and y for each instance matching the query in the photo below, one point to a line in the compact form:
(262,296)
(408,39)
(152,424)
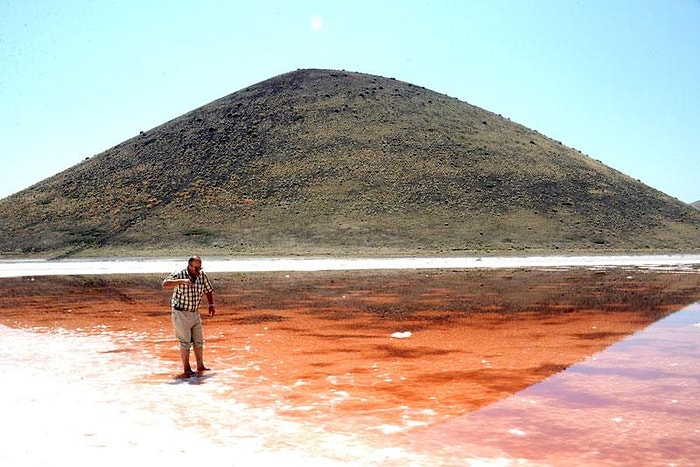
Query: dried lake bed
(457,361)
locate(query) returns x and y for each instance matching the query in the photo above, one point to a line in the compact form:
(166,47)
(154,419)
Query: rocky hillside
(334,162)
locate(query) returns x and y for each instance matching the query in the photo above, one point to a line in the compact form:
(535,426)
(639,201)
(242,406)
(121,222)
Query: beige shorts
(188,328)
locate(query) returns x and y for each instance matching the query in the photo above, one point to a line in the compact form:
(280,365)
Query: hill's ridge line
(324,161)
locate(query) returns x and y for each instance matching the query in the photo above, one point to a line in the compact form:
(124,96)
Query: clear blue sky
(617,79)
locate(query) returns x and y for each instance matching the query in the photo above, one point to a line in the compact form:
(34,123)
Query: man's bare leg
(199,355)
(185,356)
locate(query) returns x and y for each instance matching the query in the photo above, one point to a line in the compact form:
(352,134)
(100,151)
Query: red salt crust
(477,336)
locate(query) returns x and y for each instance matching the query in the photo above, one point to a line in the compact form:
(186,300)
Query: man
(188,287)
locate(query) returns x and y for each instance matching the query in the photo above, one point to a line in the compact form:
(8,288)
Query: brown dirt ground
(477,336)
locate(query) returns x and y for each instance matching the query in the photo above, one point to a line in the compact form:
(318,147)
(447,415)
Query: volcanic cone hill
(333,162)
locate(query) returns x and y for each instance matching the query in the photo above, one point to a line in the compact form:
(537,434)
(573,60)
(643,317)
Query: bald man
(189,285)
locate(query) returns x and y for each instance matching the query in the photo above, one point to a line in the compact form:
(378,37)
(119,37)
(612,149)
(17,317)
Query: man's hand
(172,283)
(212,310)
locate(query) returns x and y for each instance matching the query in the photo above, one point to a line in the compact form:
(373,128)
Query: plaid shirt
(188,297)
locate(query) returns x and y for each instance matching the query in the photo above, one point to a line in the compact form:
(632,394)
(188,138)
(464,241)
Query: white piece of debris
(401,335)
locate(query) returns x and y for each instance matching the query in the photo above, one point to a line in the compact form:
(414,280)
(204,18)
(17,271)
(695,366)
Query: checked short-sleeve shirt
(188,297)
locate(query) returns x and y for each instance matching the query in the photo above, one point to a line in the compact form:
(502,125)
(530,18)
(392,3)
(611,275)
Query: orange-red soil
(477,336)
